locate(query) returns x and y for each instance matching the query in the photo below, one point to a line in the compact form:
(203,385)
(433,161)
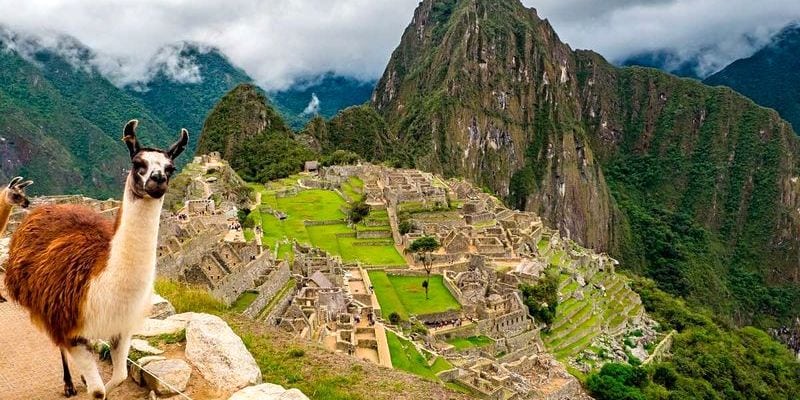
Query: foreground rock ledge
(218,353)
(268,391)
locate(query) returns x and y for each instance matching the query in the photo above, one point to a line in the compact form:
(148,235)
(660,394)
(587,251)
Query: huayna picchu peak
(693,186)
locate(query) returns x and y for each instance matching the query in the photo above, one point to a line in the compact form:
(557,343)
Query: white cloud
(713,32)
(313,105)
(279,41)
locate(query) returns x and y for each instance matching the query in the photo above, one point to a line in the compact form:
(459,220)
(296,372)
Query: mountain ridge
(611,156)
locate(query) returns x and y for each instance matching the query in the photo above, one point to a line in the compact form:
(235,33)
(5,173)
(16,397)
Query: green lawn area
(319,205)
(470,342)
(243,301)
(405,295)
(406,357)
(353,188)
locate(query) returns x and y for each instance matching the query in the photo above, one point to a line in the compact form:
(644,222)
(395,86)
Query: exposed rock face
(219,354)
(268,391)
(161,308)
(136,373)
(154,327)
(486,90)
(485,98)
(173,376)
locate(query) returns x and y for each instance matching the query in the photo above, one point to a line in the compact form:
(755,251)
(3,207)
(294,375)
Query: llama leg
(69,388)
(120,346)
(83,360)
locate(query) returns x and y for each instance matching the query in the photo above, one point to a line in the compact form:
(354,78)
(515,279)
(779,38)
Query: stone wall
(376,234)
(230,287)
(275,282)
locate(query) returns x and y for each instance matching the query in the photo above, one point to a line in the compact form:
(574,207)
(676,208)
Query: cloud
(280,41)
(276,41)
(313,105)
(711,33)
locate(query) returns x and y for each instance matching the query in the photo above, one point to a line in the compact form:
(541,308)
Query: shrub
(394,318)
(358,211)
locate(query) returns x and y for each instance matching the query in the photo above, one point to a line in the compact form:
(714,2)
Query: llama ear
(177,148)
(129,137)
(14,181)
(25,184)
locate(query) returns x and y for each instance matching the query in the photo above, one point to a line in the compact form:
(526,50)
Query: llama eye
(169,169)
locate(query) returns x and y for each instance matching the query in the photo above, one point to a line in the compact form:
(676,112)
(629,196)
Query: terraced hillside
(596,306)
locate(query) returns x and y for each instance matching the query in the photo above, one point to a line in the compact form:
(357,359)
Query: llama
(12,195)
(83,277)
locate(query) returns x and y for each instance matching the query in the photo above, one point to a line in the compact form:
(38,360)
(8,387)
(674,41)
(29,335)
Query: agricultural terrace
(334,236)
(405,295)
(406,357)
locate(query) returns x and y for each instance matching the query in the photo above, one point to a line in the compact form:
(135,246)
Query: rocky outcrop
(218,353)
(167,377)
(268,391)
(612,157)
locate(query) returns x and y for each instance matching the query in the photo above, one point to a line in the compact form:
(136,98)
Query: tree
(394,318)
(405,227)
(358,211)
(423,247)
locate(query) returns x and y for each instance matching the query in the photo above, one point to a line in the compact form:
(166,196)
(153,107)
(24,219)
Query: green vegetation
(244,301)
(358,211)
(708,360)
(334,92)
(542,298)
(470,342)
(333,235)
(236,129)
(406,357)
(404,294)
(358,129)
(423,247)
(769,76)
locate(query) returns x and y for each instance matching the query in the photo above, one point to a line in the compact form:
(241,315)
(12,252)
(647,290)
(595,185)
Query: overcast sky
(277,41)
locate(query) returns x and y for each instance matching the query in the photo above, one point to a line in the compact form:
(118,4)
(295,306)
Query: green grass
(405,295)
(186,298)
(243,301)
(353,188)
(406,357)
(470,342)
(321,205)
(275,299)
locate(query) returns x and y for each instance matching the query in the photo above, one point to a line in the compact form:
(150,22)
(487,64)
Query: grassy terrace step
(575,312)
(590,327)
(573,323)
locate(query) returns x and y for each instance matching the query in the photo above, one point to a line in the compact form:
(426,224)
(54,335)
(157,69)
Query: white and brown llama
(12,195)
(83,277)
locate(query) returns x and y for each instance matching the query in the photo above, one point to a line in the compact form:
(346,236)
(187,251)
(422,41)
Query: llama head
(151,168)
(15,192)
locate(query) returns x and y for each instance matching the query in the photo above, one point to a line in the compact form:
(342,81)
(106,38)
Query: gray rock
(219,354)
(143,346)
(155,327)
(268,391)
(172,376)
(136,373)
(160,307)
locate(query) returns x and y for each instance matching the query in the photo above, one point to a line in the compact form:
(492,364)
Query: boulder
(167,377)
(268,391)
(219,354)
(160,307)
(143,346)
(136,373)
(155,327)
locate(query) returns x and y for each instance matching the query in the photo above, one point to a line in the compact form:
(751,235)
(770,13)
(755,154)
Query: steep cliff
(694,186)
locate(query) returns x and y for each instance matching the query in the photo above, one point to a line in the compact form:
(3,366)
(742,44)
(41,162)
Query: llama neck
(5,211)
(133,248)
